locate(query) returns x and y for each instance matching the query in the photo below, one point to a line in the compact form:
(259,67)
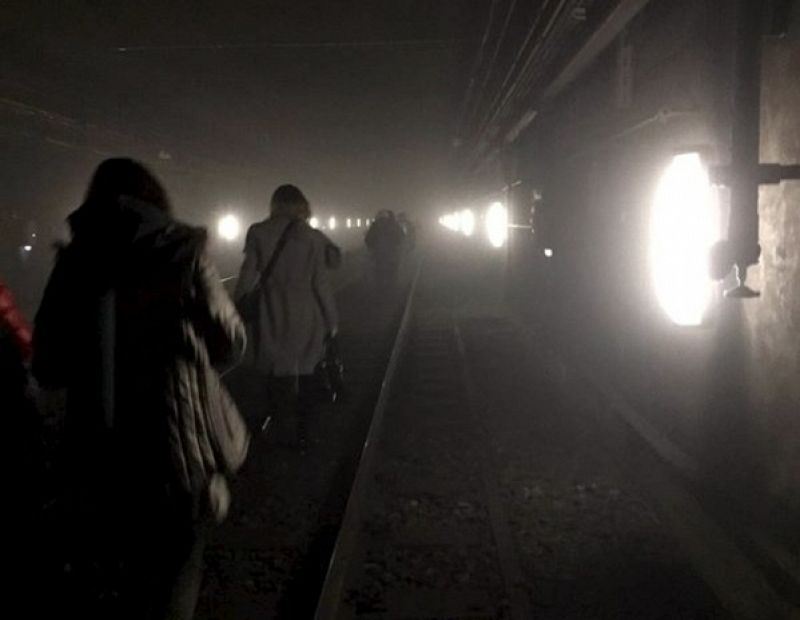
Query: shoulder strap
(267,271)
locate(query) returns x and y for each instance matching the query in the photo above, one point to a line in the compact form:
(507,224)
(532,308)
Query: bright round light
(684,224)
(467,218)
(497,225)
(548,252)
(229,228)
(314,222)
(332,223)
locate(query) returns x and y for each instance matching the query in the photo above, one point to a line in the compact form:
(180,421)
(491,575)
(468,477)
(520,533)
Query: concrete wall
(773,323)
(728,393)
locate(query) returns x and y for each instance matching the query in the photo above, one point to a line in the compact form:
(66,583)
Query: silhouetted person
(409,230)
(385,239)
(21,450)
(132,321)
(295,309)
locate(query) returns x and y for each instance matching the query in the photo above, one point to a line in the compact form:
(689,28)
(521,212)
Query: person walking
(385,241)
(284,285)
(135,326)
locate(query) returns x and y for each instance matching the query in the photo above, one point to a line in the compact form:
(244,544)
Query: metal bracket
(723,259)
(766,174)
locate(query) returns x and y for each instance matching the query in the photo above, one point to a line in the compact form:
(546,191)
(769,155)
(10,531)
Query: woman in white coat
(296,310)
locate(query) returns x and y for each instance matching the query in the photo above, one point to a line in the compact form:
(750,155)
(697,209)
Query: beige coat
(297,309)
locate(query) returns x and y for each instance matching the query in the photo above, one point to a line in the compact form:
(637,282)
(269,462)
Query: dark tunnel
(401,309)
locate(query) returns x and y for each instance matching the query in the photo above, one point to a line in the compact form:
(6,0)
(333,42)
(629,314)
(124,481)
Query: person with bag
(136,327)
(284,293)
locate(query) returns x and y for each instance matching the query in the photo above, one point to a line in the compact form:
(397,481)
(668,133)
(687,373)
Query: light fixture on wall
(497,224)
(684,225)
(467,220)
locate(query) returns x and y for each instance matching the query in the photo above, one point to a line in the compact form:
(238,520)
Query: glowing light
(467,226)
(684,224)
(451,221)
(358,223)
(229,228)
(497,225)
(349,223)
(332,223)
(27,248)
(314,222)
(548,252)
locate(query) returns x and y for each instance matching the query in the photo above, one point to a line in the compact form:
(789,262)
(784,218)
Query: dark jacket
(133,323)
(385,239)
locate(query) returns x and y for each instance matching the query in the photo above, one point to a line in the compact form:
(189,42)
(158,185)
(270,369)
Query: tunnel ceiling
(242,85)
(365,95)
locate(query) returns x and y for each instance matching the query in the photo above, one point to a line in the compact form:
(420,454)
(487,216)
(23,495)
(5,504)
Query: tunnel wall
(728,392)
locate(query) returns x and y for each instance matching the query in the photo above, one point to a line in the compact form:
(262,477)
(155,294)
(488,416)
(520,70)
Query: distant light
(451,221)
(228,227)
(684,224)
(332,223)
(497,224)
(314,222)
(358,222)
(467,222)
(349,223)
(548,252)
(27,248)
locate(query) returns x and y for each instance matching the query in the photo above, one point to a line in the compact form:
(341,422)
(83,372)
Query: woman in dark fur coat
(134,325)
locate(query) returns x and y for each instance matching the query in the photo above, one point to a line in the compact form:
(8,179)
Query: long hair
(289,201)
(121,176)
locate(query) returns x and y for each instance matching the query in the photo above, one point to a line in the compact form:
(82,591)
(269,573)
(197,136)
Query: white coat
(296,310)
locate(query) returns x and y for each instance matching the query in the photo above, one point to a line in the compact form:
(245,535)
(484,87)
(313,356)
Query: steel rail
(346,546)
(519,603)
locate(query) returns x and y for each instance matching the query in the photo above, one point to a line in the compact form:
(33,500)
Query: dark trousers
(137,556)
(283,408)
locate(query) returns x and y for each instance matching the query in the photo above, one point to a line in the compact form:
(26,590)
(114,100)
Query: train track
(469,481)
(487,489)
(437,401)
(269,558)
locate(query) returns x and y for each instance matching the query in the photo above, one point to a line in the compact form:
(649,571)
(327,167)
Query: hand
(219,497)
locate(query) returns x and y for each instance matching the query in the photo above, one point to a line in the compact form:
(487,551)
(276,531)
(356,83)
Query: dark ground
(499,492)
(269,558)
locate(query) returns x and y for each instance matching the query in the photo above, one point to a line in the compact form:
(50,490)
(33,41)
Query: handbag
(329,372)
(247,304)
(207,433)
